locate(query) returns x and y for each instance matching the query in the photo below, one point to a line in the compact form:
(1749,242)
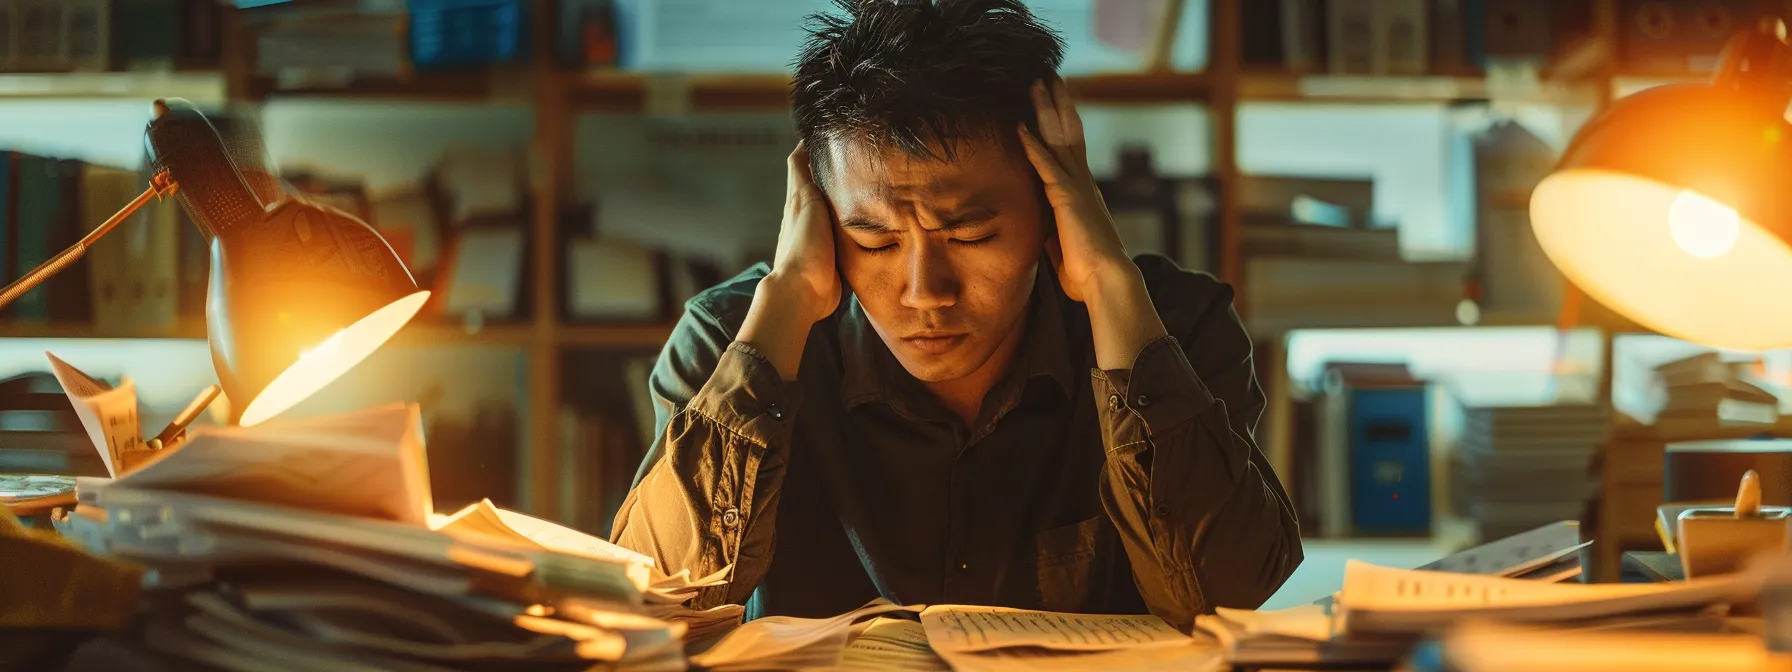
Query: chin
(936,368)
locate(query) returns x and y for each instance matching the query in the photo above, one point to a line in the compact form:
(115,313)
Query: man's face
(942,254)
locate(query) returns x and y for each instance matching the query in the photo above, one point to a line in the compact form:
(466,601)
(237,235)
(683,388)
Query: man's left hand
(1086,252)
(1092,264)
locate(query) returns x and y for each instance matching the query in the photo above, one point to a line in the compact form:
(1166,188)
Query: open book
(964,637)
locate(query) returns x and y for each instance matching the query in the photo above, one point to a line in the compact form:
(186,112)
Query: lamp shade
(1672,207)
(298,298)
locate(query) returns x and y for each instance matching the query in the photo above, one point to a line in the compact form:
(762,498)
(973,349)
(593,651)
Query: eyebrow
(964,217)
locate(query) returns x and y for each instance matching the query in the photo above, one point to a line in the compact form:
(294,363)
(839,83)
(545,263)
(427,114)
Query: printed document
(976,628)
(109,414)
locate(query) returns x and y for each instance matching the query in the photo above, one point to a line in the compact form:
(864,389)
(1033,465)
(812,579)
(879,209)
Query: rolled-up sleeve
(1202,516)
(707,495)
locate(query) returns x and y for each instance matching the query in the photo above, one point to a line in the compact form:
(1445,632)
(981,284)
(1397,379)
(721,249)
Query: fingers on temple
(1043,158)
(1051,128)
(1068,118)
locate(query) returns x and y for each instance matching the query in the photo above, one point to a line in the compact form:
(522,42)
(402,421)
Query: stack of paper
(1381,612)
(1304,635)
(1519,467)
(1383,600)
(311,544)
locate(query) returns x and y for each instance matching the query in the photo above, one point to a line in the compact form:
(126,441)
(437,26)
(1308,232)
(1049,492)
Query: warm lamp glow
(333,357)
(1704,228)
(1646,249)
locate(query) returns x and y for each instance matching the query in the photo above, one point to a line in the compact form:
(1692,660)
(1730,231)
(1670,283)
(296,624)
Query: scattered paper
(1369,586)
(1516,554)
(679,588)
(1382,599)
(1188,656)
(699,624)
(368,463)
(108,413)
(1490,647)
(485,520)
(891,644)
(1309,621)
(977,628)
(785,642)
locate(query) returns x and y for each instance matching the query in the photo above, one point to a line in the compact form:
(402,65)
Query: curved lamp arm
(160,185)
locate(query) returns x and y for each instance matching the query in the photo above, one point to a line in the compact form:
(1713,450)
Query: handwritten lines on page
(976,628)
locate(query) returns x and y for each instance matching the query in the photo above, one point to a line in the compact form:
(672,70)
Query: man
(952,385)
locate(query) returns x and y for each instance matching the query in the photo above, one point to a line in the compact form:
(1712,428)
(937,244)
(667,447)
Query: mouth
(934,343)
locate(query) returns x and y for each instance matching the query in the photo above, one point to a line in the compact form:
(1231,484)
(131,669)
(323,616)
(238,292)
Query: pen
(186,417)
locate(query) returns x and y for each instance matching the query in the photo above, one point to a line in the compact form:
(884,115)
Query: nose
(932,282)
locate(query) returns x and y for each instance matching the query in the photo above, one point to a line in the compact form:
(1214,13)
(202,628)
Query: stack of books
(311,544)
(1708,392)
(1519,467)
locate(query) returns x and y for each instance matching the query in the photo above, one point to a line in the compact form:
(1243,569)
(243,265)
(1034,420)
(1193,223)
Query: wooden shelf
(630,93)
(1381,89)
(197,86)
(470,87)
(523,335)
(17,329)
(624,92)
(634,93)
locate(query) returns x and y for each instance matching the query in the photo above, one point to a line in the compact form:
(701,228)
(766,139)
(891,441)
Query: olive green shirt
(1076,490)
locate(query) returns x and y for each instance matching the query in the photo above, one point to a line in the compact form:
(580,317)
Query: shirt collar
(871,372)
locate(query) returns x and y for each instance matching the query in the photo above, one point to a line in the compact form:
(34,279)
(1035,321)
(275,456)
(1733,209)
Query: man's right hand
(804,284)
(804,270)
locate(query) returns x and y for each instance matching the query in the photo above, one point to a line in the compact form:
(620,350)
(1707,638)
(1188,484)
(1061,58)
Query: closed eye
(973,242)
(878,249)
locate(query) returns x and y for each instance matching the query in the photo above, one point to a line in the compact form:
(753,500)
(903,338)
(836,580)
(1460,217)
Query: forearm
(1121,317)
(709,500)
(777,324)
(1196,544)
(1201,516)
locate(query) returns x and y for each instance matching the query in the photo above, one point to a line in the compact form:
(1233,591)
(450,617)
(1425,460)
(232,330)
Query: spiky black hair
(919,75)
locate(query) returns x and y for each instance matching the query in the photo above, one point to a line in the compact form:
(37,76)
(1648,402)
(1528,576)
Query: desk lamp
(299,293)
(1674,206)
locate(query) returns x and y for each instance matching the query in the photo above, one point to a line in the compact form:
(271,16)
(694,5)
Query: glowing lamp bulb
(1702,227)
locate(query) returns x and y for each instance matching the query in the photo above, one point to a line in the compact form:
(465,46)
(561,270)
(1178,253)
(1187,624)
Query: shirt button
(730,518)
(964,566)
(776,411)
(1113,402)
(1142,401)
(1163,510)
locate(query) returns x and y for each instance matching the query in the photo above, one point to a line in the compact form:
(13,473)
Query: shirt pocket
(1074,562)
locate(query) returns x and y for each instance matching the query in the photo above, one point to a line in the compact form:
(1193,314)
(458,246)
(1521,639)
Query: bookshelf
(558,97)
